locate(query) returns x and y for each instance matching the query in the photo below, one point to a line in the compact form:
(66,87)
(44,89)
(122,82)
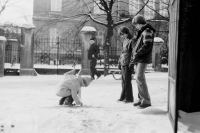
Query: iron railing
(12,56)
(57,53)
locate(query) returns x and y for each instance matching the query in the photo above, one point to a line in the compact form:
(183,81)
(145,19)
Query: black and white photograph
(99,66)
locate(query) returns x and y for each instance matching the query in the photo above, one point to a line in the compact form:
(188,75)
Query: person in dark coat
(141,57)
(93,53)
(123,64)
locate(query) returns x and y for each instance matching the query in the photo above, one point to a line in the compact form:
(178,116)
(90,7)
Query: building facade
(64,18)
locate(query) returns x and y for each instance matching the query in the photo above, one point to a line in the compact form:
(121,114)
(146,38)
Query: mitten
(79,103)
(131,66)
(119,66)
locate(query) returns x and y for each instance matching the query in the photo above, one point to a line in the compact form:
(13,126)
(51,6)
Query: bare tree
(13,10)
(110,17)
(107,7)
(3,5)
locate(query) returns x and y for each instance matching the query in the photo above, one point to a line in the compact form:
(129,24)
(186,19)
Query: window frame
(56,5)
(148,12)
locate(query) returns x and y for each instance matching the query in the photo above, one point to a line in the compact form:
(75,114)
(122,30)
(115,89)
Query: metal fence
(113,57)
(12,56)
(64,53)
(57,53)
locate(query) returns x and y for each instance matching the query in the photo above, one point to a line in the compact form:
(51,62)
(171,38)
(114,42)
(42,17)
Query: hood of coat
(145,27)
(84,81)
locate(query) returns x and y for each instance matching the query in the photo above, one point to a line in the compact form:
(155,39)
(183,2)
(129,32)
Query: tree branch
(99,22)
(166,18)
(111,4)
(122,21)
(104,4)
(86,5)
(3,6)
(129,19)
(99,6)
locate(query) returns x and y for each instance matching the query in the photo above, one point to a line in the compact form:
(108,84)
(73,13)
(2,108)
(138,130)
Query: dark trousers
(93,70)
(127,92)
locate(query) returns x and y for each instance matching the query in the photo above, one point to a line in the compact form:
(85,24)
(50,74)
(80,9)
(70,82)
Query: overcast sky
(17,12)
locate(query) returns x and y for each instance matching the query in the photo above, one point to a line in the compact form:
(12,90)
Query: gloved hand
(131,66)
(79,103)
(120,67)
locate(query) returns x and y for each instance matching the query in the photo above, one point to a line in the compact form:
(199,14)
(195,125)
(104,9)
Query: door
(173,52)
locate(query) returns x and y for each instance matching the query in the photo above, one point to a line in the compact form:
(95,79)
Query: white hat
(86,81)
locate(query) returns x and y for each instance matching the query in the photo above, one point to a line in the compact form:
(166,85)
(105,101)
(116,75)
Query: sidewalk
(29,105)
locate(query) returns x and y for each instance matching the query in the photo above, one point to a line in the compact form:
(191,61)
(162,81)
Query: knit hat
(138,20)
(86,81)
(93,38)
(123,30)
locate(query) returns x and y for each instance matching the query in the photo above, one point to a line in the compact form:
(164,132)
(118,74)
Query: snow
(66,66)
(12,40)
(27,25)
(158,39)
(2,38)
(88,28)
(29,104)
(17,12)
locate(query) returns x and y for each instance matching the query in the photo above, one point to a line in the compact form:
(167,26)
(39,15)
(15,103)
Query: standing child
(141,57)
(123,64)
(70,88)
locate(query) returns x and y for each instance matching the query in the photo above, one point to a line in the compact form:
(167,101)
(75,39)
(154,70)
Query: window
(97,10)
(163,8)
(148,12)
(133,6)
(56,5)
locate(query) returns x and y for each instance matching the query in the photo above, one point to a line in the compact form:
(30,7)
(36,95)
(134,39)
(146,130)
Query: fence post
(156,60)
(86,33)
(27,51)
(2,55)
(57,60)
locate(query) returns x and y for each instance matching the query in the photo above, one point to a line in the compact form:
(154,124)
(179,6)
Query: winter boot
(61,101)
(68,101)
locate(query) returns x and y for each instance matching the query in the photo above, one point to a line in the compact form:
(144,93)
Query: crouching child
(70,88)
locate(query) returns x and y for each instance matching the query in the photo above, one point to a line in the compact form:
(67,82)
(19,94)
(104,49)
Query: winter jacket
(71,85)
(93,50)
(125,56)
(142,52)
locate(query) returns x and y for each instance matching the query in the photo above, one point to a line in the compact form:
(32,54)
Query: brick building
(54,18)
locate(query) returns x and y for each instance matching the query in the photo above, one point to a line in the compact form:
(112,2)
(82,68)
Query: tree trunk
(107,46)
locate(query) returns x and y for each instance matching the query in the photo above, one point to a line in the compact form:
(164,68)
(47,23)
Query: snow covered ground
(28,104)
(189,122)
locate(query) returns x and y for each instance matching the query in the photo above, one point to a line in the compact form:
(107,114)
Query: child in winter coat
(70,88)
